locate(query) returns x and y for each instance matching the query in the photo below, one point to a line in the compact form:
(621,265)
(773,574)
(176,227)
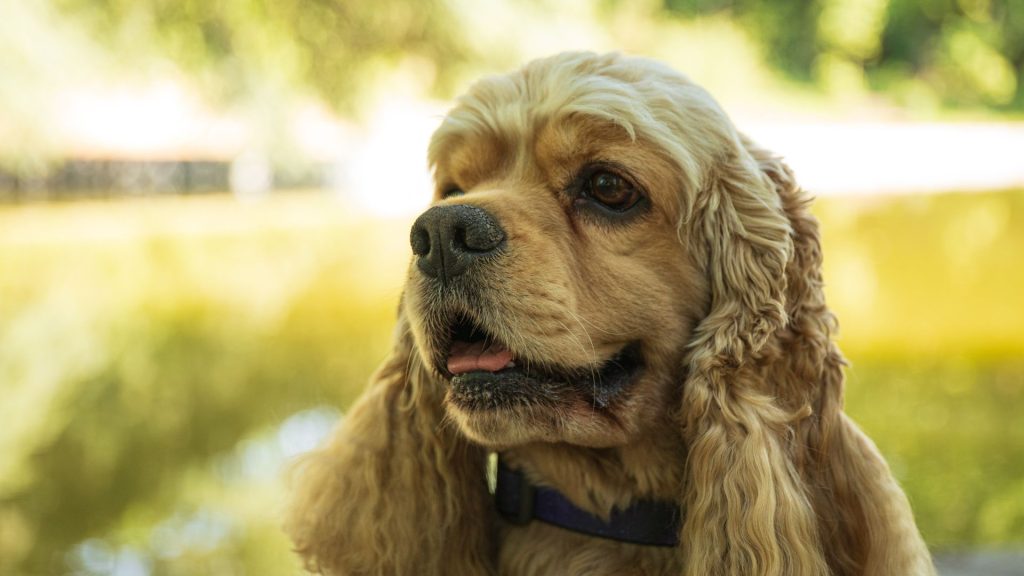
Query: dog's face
(551,287)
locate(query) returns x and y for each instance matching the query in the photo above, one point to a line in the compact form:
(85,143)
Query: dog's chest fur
(540,549)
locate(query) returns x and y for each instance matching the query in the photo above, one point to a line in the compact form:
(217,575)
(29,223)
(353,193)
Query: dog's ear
(743,239)
(864,520)
(395,491)
(746,507)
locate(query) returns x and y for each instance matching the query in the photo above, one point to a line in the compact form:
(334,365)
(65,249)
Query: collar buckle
(516,498)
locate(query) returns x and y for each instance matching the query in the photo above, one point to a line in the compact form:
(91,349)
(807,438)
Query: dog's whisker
(604,331)
(595,375)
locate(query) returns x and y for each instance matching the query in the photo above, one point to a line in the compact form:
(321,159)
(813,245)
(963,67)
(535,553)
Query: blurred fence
(120,178)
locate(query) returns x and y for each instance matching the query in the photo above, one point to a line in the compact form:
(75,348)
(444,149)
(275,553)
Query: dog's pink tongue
(469,356)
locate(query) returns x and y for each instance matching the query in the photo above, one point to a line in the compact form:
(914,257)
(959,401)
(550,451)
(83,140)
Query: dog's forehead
(512,109)
(501,119)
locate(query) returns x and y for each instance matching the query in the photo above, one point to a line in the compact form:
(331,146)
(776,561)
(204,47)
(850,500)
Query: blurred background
(204,210)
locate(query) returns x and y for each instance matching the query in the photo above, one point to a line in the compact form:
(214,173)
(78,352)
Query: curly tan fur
(412,488)
(737,414)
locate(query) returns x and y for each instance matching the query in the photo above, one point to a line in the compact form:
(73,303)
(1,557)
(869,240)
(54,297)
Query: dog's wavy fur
(745,430)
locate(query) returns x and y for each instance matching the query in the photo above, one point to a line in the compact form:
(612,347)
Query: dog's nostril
(482,234)
(420,241)
(458,236)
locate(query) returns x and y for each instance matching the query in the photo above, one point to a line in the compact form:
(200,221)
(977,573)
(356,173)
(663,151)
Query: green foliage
(154,354)
(969,51)
(963,52)
(922,52)
(241,47)
(786,28)
(947,425)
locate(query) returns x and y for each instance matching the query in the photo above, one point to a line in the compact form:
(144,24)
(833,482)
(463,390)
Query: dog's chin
(534,403)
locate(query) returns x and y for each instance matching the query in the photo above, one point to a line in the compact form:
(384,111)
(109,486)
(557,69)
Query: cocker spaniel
(621,296)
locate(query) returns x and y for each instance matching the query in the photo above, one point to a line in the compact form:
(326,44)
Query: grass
(154,355)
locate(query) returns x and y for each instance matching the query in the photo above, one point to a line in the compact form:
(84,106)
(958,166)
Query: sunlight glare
(386,174)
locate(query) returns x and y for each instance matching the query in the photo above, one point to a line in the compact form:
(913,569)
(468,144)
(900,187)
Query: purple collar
(646,522)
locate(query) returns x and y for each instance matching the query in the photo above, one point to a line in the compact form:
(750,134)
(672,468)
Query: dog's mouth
(472,349)
(485,374)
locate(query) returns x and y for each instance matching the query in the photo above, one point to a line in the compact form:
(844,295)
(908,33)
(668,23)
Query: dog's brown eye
(612,191)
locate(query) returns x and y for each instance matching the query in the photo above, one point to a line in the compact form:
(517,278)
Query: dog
(620,296)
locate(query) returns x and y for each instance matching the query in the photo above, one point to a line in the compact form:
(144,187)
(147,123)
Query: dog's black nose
(448,239)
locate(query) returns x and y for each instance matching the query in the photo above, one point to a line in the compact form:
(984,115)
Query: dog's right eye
(605,191)
(612,191)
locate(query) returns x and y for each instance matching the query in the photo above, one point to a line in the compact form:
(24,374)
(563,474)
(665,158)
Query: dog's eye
(612,191)
(452,191)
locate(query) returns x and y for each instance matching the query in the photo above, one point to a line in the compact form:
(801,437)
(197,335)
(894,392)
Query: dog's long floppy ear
(746,507)
(395,491)
(864,519)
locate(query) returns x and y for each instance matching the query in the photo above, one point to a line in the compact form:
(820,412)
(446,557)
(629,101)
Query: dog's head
(599,231)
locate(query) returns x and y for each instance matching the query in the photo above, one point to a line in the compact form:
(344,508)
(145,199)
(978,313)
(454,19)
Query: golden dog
(622,295)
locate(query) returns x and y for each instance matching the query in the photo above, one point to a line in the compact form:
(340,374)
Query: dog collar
(646,522)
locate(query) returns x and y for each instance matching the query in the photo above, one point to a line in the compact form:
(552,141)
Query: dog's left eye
(612,191)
